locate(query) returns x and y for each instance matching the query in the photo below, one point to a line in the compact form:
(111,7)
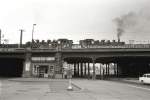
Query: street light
(33,32)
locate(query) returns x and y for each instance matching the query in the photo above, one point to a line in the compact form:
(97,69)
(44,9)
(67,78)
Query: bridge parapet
(15,47)
(12,49)
(77,46)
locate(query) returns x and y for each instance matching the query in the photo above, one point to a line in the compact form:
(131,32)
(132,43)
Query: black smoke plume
(124,22)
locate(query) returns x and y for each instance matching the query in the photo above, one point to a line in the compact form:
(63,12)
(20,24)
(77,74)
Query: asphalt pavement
(83,89)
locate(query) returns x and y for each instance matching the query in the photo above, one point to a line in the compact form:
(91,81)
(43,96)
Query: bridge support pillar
(84,69)
(58,67)
(108,68)
(27,70)
(88,70)
(106,71)
(81,69)
(100,70)
(103,72)
(94,74)
(117,70)
(75,71)
(78,69)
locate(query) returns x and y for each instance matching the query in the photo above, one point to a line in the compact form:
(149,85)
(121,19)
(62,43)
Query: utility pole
(21,35)
(33,32)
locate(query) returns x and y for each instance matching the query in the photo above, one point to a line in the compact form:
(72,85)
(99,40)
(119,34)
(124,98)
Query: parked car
(145,79)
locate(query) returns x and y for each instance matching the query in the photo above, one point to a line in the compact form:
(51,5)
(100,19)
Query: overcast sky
(72,19)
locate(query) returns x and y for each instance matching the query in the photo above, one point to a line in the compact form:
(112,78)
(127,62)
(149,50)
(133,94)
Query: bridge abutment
(27,70)
(94,74)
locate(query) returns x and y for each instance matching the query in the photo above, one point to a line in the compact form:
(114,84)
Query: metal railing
(74,46)
(112,46)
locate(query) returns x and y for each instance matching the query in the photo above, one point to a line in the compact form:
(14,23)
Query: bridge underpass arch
(11,67)
(92,67)
(133,66)
(81,66)
(124,66)
(108,67)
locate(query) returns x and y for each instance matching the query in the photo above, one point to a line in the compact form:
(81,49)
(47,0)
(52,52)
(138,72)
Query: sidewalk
(35,79)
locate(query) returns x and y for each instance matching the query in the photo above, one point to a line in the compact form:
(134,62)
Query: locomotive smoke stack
(120,27)
(118,39)
(119,33)
(118,36)
(126,22)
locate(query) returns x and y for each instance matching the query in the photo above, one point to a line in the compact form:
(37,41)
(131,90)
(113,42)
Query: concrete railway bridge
(84,62)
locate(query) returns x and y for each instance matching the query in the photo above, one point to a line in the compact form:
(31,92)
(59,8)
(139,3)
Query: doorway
(43,71)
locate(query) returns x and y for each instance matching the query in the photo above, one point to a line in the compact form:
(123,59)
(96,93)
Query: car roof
(147,74)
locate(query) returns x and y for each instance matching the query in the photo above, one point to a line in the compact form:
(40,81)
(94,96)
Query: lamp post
(33,32)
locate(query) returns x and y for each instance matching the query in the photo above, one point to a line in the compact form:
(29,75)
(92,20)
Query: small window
(148,76)
(144,75)
(51,68)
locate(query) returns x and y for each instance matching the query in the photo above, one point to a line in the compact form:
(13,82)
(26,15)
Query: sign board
(43,58)
(27,66)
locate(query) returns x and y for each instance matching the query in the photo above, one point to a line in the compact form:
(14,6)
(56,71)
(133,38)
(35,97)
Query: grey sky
(73,19)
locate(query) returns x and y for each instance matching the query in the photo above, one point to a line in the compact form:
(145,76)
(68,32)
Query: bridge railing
(75,46)
(112,46)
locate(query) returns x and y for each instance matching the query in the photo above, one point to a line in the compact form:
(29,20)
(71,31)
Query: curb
(125,81)
(76,86)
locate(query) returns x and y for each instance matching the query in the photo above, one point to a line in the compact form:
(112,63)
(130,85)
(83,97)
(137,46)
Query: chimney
(118,39)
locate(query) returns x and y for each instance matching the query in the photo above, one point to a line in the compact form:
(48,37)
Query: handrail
(75,46)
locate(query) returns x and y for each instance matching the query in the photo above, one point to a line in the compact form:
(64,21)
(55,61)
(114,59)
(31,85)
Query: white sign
(27,67)
(43,58)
